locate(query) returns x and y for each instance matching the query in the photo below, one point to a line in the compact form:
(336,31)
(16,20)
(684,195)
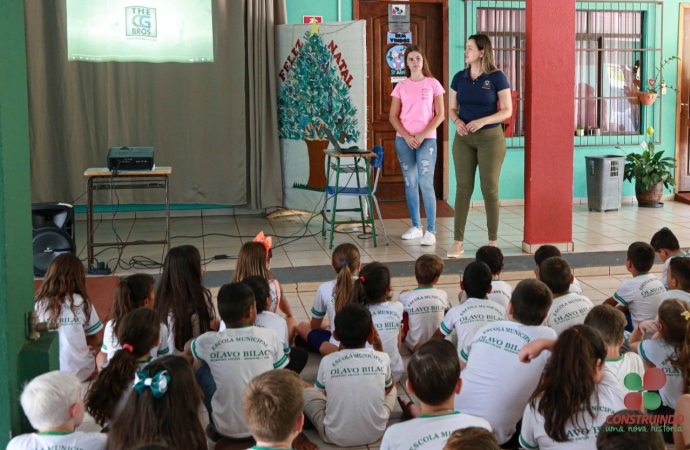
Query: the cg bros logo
(141,21)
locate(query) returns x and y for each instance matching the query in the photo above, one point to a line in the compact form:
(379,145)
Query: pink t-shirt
(417,109)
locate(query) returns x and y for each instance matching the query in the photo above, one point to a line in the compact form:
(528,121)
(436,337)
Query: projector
(130,158)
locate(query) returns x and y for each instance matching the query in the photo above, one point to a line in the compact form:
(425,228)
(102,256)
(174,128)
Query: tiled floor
(298,244)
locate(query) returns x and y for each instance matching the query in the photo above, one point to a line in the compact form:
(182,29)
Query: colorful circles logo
(644,389)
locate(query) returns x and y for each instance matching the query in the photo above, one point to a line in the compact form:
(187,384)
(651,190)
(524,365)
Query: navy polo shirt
(478,98)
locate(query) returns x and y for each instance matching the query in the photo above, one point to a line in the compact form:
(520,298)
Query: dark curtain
(196,116)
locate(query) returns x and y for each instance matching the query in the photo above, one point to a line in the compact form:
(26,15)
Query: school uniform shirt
(124,398)
(387,318)
(273,321)
(52,440)
(73,327)
(627,363)
(235,356)
(276,293)
(567,310)
(680,295)
(417,104)
(196,329)
(324,303)
(470,316)
(425,307)
(500,293)
(495,384)
(429,432)
(582,433)
(659,352)
(111,345)
(664,271)
(355,383)
(575,287)
(642,295)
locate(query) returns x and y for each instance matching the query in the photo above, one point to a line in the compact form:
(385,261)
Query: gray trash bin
(604,182)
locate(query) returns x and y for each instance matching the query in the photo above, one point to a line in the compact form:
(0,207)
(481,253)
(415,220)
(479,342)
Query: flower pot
(647,98)
(317,158)
(580,132)
(650,197)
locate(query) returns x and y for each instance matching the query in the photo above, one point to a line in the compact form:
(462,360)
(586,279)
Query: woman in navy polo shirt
(479,140)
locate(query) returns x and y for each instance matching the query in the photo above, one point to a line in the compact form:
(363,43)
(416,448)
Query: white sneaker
(456,250)
(429,238)
(413,233)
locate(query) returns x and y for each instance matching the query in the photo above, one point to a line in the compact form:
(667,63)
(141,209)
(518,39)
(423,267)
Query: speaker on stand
(53,233)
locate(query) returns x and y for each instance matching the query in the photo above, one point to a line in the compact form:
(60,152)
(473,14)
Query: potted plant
(651,172)
(649,95)
(579,131)
(594,131)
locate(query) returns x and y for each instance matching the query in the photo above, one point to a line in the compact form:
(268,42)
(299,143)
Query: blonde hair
(484,44)
(345,260)
(252,260)
(272,404)
(46,399)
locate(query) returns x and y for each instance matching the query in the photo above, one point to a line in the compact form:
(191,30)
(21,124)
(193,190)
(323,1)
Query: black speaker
(53,233)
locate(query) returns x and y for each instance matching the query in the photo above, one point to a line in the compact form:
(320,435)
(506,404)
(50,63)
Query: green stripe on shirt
(165,351)
(640,350)
(620,299)
(464,355)
(93,328)
(525,444)
(318,314)
(282,361)
(194,350)
(318,385)
(444,329)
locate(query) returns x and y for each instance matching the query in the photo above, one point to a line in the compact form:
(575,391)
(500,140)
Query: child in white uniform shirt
(424,306)
(135,291)
(433,376)
(548,251)
(229,359)
(500,290)
(495,384)
(642,294)
(575,396)
(354,392)
(330,298)
(52,403)
(62,298)
(567,309)
(666,248)
(476,311)
(139,332)
(679,279)
(373,290)
(610,323)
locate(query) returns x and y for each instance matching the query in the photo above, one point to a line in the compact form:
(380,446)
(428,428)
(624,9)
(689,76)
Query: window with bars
(609,50)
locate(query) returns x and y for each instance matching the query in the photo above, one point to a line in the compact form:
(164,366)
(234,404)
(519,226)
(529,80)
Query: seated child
(666,248)
(568,308)
(642,294)
(575,396)
(495,384)
(278,395)
(231,358)
(433,376)
(52,402)
(354,392)
(547,251)
(476,311)
(500,290)
(624,437)
(679,279)
(426,305)
(610,323)
(373,290)
(474,438)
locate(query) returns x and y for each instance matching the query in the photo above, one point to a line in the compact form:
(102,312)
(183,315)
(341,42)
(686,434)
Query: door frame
(444,79)
(682,9)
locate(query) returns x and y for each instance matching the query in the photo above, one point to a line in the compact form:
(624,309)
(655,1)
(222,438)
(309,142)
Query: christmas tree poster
(321,84)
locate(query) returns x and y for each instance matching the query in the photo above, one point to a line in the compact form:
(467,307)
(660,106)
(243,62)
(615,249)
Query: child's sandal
(406,414)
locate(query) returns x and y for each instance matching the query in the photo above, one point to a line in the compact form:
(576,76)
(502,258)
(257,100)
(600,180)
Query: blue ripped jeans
(418,173)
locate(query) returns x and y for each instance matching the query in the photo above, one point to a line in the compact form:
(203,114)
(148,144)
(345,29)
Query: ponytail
(138,333)
(372,285)
(345,260)
(569,380)
(130,294)
(674,316)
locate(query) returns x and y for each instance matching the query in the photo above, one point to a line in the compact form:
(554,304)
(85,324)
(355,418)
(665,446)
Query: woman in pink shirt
(416,112)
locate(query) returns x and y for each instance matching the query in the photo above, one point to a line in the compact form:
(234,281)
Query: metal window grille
(618,45)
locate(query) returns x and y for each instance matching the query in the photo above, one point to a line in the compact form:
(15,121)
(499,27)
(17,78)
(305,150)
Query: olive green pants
(485,148)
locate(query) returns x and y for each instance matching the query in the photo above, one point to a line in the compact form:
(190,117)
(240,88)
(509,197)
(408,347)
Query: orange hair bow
(266,240)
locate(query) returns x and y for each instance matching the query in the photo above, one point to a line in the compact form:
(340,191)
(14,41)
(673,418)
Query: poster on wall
(321,84)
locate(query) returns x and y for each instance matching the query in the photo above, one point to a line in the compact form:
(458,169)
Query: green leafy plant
(653,84)
(649,167)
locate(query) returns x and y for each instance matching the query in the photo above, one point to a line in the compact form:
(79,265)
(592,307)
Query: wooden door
(683,113)
(429,31)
